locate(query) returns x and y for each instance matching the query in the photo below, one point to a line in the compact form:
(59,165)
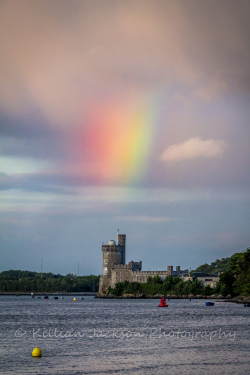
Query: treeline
(156,286)
(235,280)
(220,265)
(16,281)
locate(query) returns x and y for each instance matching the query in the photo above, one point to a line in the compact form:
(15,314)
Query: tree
(207,290)
(196,287)
(168,283)
(157,280)
(118,289)
(131,288)
(226,282)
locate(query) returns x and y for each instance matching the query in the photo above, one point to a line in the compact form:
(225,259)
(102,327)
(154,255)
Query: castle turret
(122,245)
(170,270)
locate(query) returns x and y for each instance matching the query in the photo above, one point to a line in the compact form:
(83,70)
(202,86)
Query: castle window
(105,261)
(105,271)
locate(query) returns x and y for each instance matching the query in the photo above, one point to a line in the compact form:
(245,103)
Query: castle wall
(142,276)
(121,273)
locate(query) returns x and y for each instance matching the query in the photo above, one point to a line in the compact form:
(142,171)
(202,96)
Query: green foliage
(207,291)
(178,288)
(125,287)
(226,282)
(240,267)
(168,283)
(236,279)
(214,267)
(196,287)
(157,280)
(131,288)
(149,280)
(118,289)
(153,286)
(26,281)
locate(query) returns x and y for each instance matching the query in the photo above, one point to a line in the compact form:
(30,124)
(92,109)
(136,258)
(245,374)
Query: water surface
(99,336)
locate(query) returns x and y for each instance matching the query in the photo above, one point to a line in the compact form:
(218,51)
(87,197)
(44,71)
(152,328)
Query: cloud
(57,57)
(145,219)
(194,148)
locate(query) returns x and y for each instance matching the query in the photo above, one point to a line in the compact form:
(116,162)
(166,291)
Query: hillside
(214,267)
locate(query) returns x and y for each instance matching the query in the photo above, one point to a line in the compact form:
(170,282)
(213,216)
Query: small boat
(46,297)
(160,305)
(55,297)
(247,304)
(209,304)
(82,297)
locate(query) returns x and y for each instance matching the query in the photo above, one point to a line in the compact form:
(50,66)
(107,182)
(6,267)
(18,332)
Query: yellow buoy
(36,352)
(74,299)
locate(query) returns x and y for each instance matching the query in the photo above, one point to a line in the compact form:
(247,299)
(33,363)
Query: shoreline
(219,298)
(36,294)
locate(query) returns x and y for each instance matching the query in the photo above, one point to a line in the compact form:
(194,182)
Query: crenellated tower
(112,254)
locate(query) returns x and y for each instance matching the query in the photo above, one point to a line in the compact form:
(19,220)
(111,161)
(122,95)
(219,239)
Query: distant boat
(209,304)
(46,297)
(55,297)
(247,304)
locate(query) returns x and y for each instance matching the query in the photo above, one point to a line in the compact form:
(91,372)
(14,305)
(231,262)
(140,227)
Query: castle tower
(111,254)
(170,270)
(122,245)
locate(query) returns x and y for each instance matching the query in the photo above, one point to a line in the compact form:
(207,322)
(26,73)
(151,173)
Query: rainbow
(115,142)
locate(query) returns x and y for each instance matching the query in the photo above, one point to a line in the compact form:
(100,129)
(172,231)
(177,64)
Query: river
(105,336)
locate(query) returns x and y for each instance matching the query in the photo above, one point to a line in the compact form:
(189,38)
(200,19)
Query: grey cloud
(57,56)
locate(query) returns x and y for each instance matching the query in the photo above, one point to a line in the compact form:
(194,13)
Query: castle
(116,270)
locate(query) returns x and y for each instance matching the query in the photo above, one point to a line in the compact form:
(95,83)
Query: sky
(129,115)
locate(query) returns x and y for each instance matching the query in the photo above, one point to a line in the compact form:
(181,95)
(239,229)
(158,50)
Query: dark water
(96,336)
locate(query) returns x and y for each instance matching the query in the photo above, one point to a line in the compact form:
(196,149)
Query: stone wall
(207,280)
(120,273)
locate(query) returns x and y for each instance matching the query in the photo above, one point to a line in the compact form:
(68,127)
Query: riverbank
(49,294)
(158,296)
(220,298)
(239,299)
